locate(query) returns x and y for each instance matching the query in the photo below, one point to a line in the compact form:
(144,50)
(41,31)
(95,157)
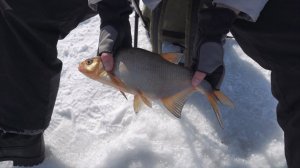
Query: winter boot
(23,150)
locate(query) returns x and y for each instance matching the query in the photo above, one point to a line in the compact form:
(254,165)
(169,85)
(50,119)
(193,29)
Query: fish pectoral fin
(137,103)
(213,102)
(145,99)
(104,74)
(172,57)
(120,85)
(223,99)
(124,94)
(116,81)
(176,102)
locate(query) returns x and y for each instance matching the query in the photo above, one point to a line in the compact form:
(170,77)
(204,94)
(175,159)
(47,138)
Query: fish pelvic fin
(176,102)
(145,99)
(138,99)
(172,57)
(137,103)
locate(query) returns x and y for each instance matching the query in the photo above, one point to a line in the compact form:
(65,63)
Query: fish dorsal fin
(176,102)
(116,81)
(137,103)
(172,57)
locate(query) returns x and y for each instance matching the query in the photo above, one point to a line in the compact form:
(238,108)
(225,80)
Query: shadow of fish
(147,76)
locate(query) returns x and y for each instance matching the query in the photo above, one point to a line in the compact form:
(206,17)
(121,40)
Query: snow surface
(93,126)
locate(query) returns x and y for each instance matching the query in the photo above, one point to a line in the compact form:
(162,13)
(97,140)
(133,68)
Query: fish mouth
(80,68)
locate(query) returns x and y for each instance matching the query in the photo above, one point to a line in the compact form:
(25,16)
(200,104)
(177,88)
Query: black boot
(23,150)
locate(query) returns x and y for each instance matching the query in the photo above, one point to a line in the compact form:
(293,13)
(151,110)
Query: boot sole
(26,162)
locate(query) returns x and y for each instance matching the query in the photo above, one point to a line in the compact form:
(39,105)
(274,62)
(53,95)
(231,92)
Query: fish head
(92,68)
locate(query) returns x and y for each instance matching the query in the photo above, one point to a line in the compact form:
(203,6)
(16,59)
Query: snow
(93,126)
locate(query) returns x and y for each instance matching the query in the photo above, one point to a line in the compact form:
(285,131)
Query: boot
(23,150)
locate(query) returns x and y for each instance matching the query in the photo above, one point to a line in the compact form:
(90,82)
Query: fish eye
(89,61)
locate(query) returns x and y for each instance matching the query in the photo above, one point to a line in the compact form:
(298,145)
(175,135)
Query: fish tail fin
(213,98)
(223,99)
(213,102)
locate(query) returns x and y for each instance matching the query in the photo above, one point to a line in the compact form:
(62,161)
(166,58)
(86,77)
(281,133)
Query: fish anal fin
(172,57)
(176,102)
(223,99)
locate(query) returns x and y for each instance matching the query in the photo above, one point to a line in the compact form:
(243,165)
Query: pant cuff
(23,132)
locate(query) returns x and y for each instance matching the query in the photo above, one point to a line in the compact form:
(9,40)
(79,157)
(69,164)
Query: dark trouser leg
(29,68)
(273,41)
(285,88)
(30,72)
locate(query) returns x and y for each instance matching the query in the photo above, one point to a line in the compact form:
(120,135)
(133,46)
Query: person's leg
(285,88)
(30,72)
(29,68)
(273,41)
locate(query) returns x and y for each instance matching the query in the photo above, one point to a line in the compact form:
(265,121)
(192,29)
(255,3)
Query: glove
(213,25)
(216,78)
(115,32)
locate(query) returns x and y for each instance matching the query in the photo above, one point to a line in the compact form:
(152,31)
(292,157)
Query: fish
(151,76)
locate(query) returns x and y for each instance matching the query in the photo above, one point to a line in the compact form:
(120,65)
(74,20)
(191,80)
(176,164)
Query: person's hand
(197,78)
(108,61)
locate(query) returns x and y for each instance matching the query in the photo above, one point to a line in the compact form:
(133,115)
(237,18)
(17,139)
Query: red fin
(120,85)
(124,94)
(145,99)
(223,99)
(213,102)
(137,103)
(138,99)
